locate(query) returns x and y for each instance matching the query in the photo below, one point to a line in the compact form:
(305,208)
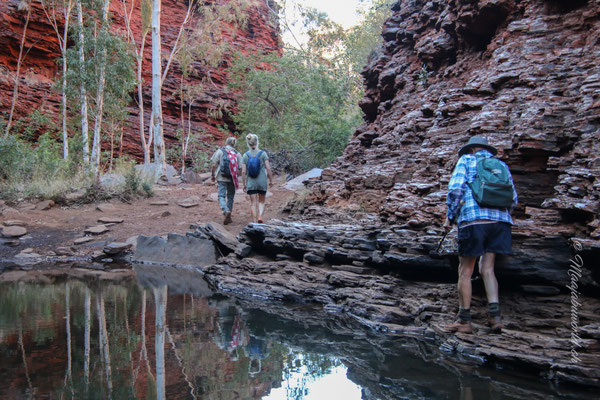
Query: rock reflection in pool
(85,339)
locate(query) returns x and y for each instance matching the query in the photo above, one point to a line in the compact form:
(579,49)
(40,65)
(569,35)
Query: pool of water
(174,339)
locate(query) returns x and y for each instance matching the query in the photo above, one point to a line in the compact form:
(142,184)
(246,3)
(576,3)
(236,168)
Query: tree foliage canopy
(305,100)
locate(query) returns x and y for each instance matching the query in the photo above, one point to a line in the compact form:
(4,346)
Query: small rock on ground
(110,220)
(14,231)
(96,230)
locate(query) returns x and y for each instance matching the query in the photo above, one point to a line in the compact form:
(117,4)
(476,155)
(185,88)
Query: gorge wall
(525,75)
(39,68)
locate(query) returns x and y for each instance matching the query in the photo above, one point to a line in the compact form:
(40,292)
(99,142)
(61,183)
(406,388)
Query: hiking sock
(464,315)
(494,309)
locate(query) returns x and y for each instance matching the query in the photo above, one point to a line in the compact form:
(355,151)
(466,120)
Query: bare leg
(254,207)
(261,204)
(465,271)
(486,269)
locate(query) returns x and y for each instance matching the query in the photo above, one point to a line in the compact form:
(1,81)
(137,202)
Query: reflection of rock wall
(39,67)
(522,73)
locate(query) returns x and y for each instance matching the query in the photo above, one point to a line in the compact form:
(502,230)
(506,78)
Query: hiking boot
(227,220)
(458,327)
(495,324)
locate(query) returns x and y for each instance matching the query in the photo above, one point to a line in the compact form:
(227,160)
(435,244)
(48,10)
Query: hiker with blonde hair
(225,170)
(256,175)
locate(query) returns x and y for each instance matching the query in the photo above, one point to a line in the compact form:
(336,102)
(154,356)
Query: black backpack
(224,169)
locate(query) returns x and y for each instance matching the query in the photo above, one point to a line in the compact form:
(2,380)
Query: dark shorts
(256,192)
(476,240)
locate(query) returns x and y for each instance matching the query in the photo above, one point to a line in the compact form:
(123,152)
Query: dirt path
(59,226)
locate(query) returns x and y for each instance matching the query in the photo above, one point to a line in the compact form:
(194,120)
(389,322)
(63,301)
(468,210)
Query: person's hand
(447,224)
(245,189)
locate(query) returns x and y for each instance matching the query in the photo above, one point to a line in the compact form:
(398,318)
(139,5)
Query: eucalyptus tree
(146,16)
(51,9)
(23,4)
(83,101)
(102,68)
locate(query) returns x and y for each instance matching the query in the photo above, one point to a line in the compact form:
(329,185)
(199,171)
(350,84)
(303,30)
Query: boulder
(45,205)
(112,182)
(298,182)
(75,196)
(13,231)
(152,173)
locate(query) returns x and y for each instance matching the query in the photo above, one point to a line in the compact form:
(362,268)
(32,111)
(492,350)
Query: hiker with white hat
(481,195)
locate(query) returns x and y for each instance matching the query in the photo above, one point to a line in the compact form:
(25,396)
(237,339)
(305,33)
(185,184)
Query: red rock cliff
(522,73)
(39,67)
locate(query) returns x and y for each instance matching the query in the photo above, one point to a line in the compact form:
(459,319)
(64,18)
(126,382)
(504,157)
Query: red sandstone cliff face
(522,73)
(39,67)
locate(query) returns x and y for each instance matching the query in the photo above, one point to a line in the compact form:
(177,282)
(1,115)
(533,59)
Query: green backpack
(492,187)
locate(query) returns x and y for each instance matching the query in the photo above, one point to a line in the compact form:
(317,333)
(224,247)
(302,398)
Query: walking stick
(452,222)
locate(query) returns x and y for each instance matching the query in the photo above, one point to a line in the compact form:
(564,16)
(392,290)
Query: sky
(341,11)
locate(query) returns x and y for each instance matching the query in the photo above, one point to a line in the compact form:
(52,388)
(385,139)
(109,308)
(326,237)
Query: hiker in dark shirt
(226,172)
(482,232)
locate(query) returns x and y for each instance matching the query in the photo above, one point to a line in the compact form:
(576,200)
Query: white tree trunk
(82,90)
(64,105)
(160,302)
(100,97)
(86,338)
(62,43)
(157,120)
(145,144)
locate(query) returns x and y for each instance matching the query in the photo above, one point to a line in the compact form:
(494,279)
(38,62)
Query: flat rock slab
(192,201)
(175,250)
(116,248)
(82,240)
(110,220)
(105,207)
(159,203)
(14,231)
(96,230)
(219,234)
(13,222)
(185,204)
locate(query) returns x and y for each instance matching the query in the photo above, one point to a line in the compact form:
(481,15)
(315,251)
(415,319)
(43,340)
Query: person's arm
(456,191)
(215,162)
(269,174)
(515,199)
(244,175)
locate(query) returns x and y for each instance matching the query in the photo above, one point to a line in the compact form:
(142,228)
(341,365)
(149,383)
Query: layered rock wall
(39,68)
(525,75)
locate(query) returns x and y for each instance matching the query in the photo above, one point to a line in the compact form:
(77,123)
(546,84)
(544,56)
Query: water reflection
(148,340)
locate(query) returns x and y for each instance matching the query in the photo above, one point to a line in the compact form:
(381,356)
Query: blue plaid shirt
(459,190)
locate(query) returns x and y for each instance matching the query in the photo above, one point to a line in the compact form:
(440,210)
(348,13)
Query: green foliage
(38,171)
(295,105)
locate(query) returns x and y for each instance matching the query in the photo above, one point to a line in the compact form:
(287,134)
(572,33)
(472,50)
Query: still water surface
(149,339)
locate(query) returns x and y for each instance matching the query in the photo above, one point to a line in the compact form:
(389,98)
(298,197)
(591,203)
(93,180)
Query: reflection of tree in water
(309,367)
